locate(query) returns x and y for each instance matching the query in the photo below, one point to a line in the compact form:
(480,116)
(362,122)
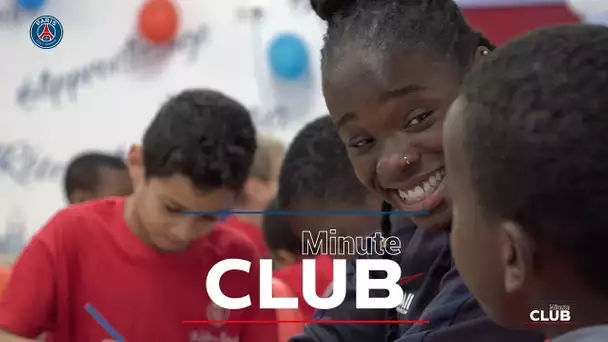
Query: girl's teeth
(419,192)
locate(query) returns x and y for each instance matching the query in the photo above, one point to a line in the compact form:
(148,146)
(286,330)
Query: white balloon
(588,7)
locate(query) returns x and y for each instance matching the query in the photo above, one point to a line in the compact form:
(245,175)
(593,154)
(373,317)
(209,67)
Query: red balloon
(158,21)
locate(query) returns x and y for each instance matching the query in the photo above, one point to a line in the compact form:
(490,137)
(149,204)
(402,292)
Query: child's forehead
(179,190)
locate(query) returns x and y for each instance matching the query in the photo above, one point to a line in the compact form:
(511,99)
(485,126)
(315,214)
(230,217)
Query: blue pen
(104,323)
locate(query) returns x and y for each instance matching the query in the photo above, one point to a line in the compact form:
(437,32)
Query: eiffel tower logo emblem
(46,34)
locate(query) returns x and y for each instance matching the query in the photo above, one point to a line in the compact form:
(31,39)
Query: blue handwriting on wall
(61,86)
(24,163)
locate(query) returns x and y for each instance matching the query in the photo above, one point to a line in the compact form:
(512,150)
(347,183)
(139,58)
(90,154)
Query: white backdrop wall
(99,88)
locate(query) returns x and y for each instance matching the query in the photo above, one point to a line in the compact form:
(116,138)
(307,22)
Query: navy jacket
(438,296)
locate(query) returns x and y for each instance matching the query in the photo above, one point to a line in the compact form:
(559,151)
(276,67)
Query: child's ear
(517,257)
(135,163)
(285,258)
(80,196)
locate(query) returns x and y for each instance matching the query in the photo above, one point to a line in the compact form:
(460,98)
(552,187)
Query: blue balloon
(31,5)
(288,56)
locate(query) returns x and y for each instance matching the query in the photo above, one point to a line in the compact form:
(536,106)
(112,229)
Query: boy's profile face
(486,250)
(160,204)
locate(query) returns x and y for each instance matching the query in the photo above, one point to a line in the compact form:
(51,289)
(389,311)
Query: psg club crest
(46,32)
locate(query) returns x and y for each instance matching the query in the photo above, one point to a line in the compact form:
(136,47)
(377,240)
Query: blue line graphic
(236,212)
(104,323)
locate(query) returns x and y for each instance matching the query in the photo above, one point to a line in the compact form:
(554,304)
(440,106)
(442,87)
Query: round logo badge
(217,314)
(46,32)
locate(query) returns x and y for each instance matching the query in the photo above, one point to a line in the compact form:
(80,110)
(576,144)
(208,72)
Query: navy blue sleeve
(404,229)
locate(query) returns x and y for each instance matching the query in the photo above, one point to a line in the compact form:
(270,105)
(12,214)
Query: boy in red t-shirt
(141,261)
(317,176)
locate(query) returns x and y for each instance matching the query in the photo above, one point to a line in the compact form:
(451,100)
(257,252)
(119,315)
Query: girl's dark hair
(385,226)
(398,26)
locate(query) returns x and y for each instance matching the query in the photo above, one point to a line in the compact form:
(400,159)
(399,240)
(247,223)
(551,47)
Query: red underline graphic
(308,322)
(407,279)
(548,323)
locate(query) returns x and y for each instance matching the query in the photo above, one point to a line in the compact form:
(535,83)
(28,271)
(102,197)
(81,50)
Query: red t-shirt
(292,276)
(251,231)
(87,254)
